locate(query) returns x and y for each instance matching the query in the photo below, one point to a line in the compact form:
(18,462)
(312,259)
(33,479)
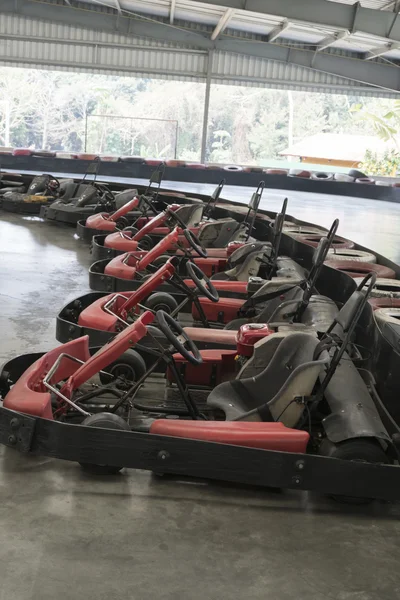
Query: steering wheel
(191,237)
(53,184)
(203,283)
(195,243)
(178,338)
(106,193)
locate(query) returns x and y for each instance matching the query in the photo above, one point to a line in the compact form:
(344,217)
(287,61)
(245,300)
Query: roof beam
(323,13)
(118,6)
(331,39)
(172,11)
(277,31)
(385,76)
(380,50)
(222,23)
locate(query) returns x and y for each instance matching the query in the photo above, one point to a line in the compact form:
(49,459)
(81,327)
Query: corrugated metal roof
(31,42)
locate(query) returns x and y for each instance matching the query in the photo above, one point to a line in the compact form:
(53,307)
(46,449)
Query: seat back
(125,196)
(240,254)
(249,267)
(292,373)
(191,214)
(217,234)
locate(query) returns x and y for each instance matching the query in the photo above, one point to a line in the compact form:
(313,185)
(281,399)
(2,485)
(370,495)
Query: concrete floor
(66,535)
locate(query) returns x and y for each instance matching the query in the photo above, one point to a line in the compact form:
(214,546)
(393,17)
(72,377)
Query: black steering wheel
(195,243)
(104,191)
(191,237)
(53,184)
(178,338)
(203,283)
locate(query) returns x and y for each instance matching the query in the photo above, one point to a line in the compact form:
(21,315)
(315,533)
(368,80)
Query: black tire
(357,449)
(146,243)
(130,366)
(160,260)
(106,421)
(132,230)
(356,173)
(122,223)
(161,301)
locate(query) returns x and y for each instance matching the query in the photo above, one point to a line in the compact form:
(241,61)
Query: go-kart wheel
(122,223)
(178,338)
(146,243)
(203,283)
(195,243)
(104,420)
(132,230)
(160,260)
(128,368)
(161,301)
(358,450)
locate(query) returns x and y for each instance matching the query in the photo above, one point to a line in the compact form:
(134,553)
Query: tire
(383,182)
(384,288)
(356,174)
(366,180)
(276,171)
(314,239)
(132,230)
(303,230)
(343,177)
(359,269)
(384,303)
(106,421)
(233,168)
(175,163)
(146,243)
(357,449)
(122,223)
(198,166)
(161,260)
(388,315)
(129,365)
(352,255)
(321,176)
(161,301)
(303,173)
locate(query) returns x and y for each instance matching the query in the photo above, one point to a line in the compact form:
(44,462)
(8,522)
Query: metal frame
(133,119)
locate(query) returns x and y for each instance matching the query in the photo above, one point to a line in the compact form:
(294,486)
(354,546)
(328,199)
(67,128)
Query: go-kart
(102,316)
(258,258)
(277,299)
(147,202)
(83,198)
(214,235)
(306,419)
(42,190)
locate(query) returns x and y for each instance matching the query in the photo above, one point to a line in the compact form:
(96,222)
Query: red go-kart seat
(267,436)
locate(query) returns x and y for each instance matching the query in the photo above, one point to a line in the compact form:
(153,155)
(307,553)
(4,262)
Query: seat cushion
(267,436)
(212,336)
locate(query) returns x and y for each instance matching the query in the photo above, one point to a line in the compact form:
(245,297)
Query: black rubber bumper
(186,457)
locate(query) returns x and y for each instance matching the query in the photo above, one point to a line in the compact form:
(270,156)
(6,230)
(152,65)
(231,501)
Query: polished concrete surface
(65,535)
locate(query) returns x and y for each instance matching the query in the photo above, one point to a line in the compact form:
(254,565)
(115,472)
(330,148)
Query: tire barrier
(366,180)
(321,176)
(350,254)
(314,239)
(299,173)
(384,303)
(359,269)
(384,288)
(343,177)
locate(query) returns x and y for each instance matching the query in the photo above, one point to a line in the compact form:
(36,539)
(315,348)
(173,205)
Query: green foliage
(245,125)
(387,163)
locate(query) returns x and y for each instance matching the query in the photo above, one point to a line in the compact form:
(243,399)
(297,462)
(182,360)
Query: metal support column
(206,107)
